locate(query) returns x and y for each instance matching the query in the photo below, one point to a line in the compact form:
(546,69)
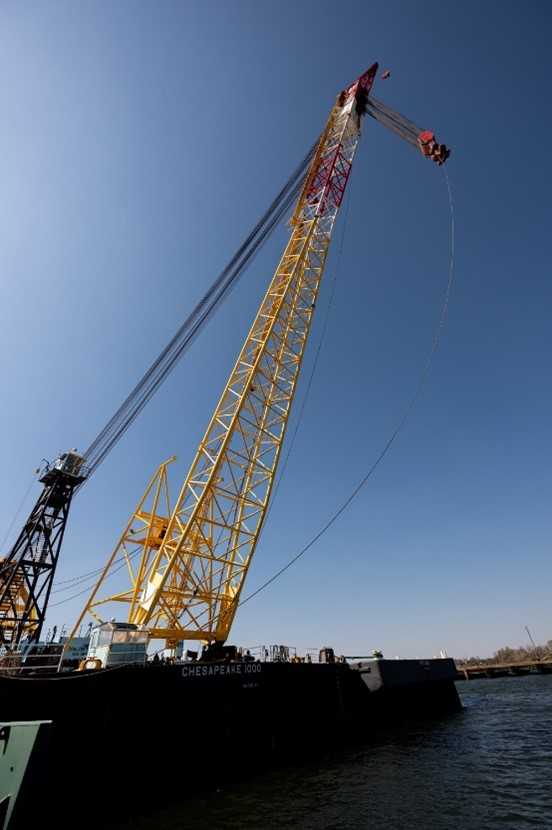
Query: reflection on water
(489,766)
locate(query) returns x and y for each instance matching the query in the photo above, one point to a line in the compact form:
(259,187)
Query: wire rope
(387,446)
(401,423)
(115,428)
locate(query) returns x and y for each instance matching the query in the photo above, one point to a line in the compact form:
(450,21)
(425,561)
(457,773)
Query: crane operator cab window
(117,643)
(69,462)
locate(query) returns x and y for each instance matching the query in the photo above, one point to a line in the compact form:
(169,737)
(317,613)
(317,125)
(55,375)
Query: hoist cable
(74,581)
(401,423)
(144,394)
(387,446)
(406,124)
(87,589)
(219,290)
(393,120)
(188,331)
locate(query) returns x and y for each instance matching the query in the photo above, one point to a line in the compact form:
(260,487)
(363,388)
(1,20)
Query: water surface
(489,766)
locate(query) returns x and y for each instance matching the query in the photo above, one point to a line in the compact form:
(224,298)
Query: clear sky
(139,144)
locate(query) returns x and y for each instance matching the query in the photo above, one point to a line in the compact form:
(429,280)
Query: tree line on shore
(507,654)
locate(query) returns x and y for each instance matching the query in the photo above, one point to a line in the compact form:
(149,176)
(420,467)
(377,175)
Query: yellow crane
(187,564)
(194,559)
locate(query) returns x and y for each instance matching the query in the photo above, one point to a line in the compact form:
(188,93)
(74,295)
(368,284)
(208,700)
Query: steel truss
(188,580)
(27,573)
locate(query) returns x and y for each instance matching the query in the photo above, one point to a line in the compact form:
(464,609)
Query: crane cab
(68,468)
(118,643)
(69,463)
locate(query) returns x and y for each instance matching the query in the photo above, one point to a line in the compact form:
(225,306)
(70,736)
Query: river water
(489,766)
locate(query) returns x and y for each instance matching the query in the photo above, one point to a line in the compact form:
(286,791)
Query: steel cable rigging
(76,581)
(394,435)
(401,423)
(393,120)
(186,334)
(148,384)
(115,428)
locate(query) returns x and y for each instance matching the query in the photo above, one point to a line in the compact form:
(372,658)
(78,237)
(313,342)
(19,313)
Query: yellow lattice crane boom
(187,565)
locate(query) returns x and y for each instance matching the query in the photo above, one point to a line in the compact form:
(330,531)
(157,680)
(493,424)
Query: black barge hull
(193,725)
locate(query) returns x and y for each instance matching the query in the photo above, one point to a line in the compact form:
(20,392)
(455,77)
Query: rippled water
(489,766)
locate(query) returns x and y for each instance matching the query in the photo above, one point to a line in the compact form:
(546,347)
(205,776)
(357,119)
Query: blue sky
(139,144)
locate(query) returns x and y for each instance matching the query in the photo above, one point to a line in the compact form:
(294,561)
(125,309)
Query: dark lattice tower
(27,573)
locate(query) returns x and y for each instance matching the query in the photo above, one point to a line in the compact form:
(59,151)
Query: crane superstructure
(187,564)
(185,583)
